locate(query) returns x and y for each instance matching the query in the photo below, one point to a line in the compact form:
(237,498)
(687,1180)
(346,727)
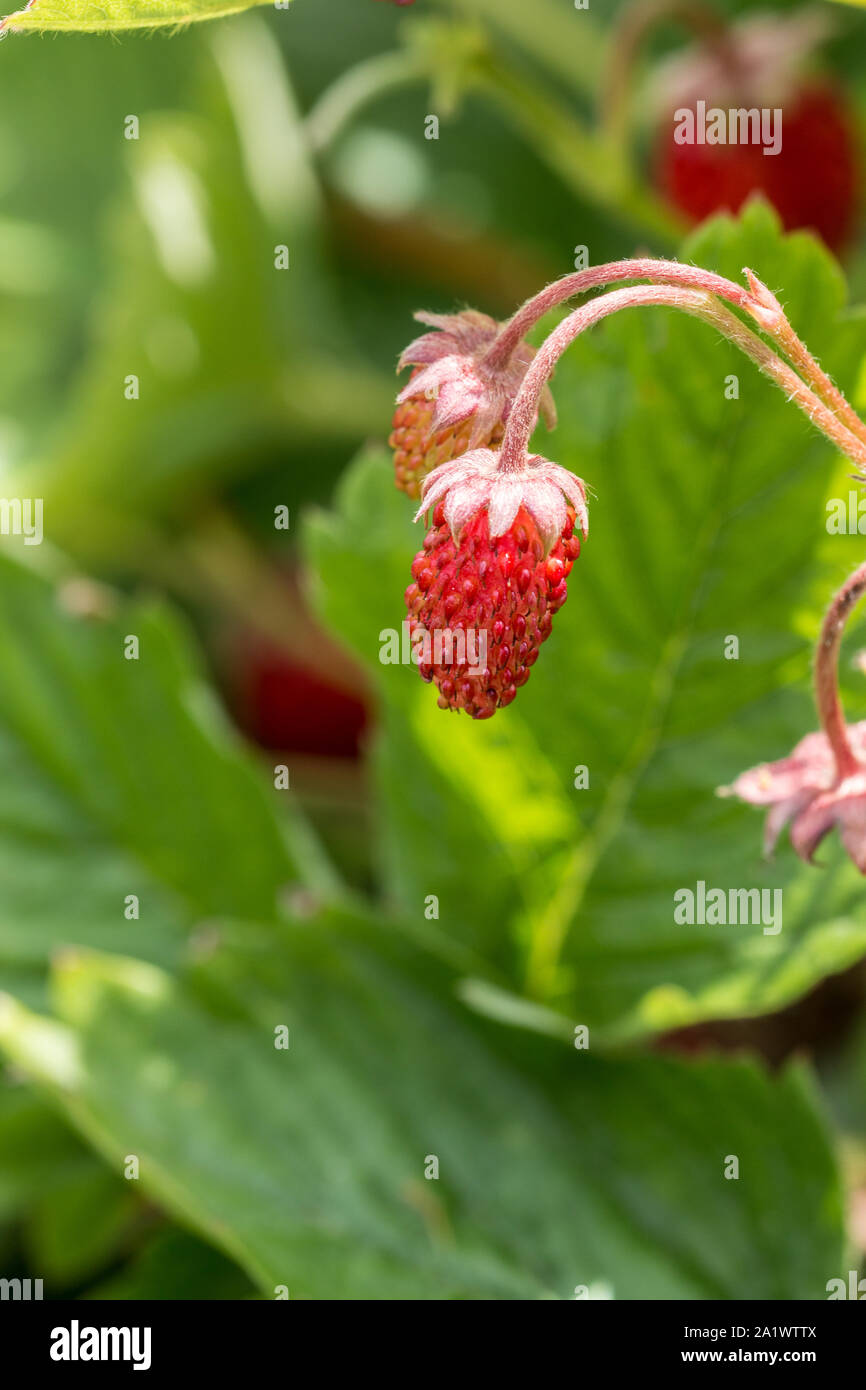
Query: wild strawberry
(491,575)
(812,181)
(458,397)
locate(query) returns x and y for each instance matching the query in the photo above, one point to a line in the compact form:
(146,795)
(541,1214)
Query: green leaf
(119,777)
(76,1229)
(175,1265)
(38,1150)
(708,521)
(85,16)
(307,1165)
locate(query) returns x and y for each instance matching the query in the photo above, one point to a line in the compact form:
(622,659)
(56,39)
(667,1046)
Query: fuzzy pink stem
(639,268)
(827,671)
(700,304)
(757,301)
(770,316)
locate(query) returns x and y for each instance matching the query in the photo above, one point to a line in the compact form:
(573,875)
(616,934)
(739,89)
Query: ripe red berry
(501,594)
(491,575)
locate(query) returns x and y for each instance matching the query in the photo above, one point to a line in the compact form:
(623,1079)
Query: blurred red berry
(284,706)
(813,181)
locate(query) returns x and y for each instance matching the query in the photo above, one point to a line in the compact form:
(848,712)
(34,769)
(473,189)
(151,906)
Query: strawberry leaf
(313,1166)
(119,780)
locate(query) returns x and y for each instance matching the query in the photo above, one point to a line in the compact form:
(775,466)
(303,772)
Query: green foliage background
(262,1168)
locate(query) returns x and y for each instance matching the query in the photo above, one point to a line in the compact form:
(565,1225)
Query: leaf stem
(355,89)
(661,272)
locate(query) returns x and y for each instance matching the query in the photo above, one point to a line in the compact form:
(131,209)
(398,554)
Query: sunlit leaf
(86,16)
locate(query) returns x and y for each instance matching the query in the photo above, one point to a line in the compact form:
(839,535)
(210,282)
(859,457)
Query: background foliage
(410,1037)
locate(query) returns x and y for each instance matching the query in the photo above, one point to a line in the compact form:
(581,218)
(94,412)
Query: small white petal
(506,495)
(428,348)
(464,502)
(545,502)
(456,401)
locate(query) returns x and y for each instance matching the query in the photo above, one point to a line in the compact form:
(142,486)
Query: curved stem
(661,272)
(355,89)
(758,301)
(700,304)
(770,316)
(827,671)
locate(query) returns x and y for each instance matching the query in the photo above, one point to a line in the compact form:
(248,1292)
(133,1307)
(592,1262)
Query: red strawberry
(814,179)
(491,576)
(455,399)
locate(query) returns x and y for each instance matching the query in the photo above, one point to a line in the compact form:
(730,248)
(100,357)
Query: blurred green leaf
(80,1225)
(86,16)
(568,41)
(307,1165)
(119,777)
(221,228)
(173,1265)
(38,1150)
(708,522)
(844,1079)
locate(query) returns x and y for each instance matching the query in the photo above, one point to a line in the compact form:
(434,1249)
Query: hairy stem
(827,671)
(757,301)
(700,303)
(770,316)
(661,272)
